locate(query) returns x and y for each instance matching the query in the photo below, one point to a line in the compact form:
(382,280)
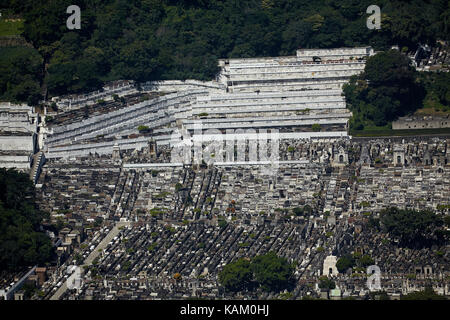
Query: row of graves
(412,173)
(18,136)
(188,222)
(299,96)
(179,260)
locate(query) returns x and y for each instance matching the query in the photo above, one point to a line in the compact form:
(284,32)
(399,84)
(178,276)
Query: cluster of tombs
(431,59)
(18,136)
(180,260)
(188,221)
(110,159)
(299,96)
(340,177)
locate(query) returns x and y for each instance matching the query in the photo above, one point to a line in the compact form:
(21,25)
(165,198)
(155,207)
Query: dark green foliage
(427,294)
(98,222)
(385,91)
(236,276)
(28,290)
(188,200)
(326,283)
(126,266)
(380,295)
(414,228)
(344,263)
(315,127)
(437,86)
(365,261)
(20,75)
(168,39)
(373,223)
(447,221)
(143,129)
(154,173)
(222,223)
(390,88)
(269,272)
(298,211)
(302,211)
(348,261)
(388,68)
(21,243)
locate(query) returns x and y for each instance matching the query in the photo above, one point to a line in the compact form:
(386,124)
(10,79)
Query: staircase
(38,162)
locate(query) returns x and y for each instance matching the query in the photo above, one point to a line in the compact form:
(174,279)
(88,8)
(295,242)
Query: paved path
(60,291)
(94,254)
(102,245)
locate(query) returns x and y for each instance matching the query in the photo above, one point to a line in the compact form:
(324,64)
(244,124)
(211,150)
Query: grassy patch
(9,27)
(161,195)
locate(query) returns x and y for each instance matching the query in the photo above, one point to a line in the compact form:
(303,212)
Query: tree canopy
(20,75)
(302,211)
(179,39)
(325,283)
(385,90)
(21,242)
(236,276)
(414,228)
(437,87)
(345,262)
(348,261)
(269,272)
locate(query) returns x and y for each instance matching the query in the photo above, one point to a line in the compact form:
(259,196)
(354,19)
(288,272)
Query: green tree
(345,262)
(222,223)
(325,283)
(365,261)
(413,228)
(272,273)
(22,244)
(20,75)
(142,129)
(170,39)
(387,89)
(236,276)
(298,211)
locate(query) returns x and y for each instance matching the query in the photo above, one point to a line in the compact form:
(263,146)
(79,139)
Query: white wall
(17,143)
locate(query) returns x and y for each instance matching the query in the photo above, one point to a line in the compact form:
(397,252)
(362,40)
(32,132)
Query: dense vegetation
(356,260)
(21,242)
(20,75)
(389,88)
(269,272)
(10,28)
(385,90)
(325,283)
(180,39)
(414,229)
(437,87)
(302,211)
(408,228)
